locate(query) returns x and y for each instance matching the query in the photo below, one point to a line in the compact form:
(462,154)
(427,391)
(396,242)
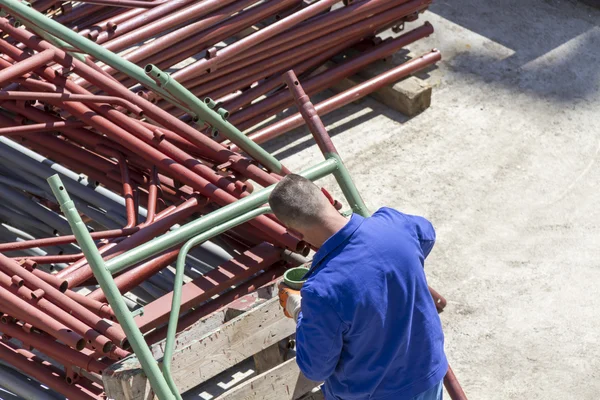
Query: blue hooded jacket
(368,326)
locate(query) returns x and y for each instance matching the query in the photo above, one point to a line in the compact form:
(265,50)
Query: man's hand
(290,300)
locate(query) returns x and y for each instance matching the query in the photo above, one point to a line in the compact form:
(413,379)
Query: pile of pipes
(140,156)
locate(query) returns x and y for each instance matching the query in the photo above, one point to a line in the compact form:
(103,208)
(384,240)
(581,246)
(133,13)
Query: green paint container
(293,277)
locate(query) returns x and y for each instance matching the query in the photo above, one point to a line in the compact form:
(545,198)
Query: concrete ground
(506,165)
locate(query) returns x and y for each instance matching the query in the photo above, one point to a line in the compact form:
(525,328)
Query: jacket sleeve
(319,337)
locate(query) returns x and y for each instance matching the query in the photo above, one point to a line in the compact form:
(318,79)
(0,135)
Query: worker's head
(303,207)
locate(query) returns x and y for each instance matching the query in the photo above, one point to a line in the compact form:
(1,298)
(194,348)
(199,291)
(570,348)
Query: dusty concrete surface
(505,163)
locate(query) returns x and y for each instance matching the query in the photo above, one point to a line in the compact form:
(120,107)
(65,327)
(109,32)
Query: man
(367,324)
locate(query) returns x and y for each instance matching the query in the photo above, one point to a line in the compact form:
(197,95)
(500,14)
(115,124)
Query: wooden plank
(235,341)
(410,96)
(284,382)
(207,348)
(268,358)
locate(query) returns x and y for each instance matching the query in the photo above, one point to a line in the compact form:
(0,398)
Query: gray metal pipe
(34,209)
(76,183)
(23,386)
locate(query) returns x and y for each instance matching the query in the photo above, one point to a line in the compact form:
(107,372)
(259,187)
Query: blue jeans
(435,393)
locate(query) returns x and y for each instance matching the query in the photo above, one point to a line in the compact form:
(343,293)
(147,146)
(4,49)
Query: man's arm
(318,337)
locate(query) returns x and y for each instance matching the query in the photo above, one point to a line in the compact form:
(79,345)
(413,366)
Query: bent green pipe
(179,270)
(222,215)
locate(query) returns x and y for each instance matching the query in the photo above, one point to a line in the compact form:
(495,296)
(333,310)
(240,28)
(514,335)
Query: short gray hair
(297,202)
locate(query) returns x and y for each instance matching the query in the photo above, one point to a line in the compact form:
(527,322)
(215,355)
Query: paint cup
(294,277)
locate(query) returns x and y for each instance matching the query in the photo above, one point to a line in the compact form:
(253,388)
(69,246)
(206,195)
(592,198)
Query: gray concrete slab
(506,165)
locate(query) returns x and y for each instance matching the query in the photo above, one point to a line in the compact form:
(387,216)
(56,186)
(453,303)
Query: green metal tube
(343,178)
(179,270)
(172,88)
(215,218)
(134,336)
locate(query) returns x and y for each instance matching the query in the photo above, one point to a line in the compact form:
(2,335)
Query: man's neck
(331,227)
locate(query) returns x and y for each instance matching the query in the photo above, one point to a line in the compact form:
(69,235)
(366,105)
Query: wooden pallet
(252,326)
(409,96)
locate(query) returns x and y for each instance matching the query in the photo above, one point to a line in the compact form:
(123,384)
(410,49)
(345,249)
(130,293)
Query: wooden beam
(206,349)
(284,382)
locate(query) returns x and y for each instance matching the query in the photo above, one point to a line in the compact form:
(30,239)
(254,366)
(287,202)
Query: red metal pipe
(212,149)
(310,116)
(36,300)
(54,241)
(144,18)
(43,374)
(125,3)
(113,332)
(268,32)
(20,309)
(195,315)
(331,76)
(97,307)
(81,271)
(39,128)
(214,282)
(167,21)
(68,97)
(61,258)
(330,22)
(58,351)
(359,91)
(180,37)
(127,189)
(153,187)
(25,66)
(133,277)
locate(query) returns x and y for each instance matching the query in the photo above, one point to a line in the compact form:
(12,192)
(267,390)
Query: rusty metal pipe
(113,332)
(153,187)
(212,149)
(328,23)
(127,189)
(266,33)
(144,18)
(359,91)
(125,3)
(197,29)
(214,282)
(223,300)
(43,374)
(81,272)
(20,309)
(39,128)
(323,33)
(36,299)
(133,277)
(333,75)
(68,97)
(185,15)
(25,66)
